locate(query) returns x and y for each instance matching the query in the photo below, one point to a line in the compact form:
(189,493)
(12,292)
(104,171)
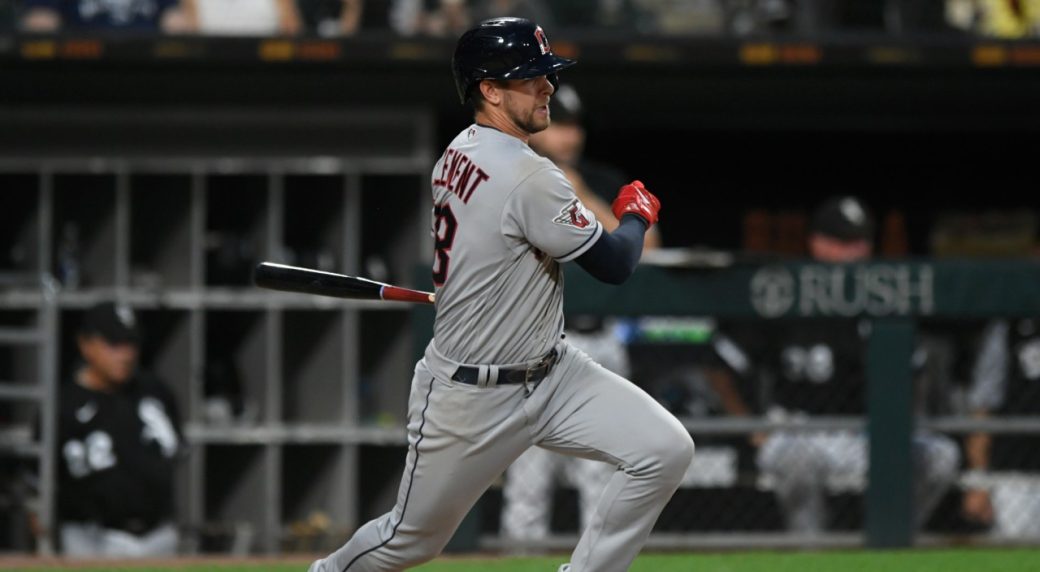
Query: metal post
(47,326)
(197,357)
(122,216)
(48,368)
(351,365)
(890,511)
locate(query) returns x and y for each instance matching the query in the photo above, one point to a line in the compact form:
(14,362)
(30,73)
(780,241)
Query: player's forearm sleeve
(613,257)
(990,372)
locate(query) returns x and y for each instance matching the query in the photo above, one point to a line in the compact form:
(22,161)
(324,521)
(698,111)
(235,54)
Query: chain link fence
(777,410)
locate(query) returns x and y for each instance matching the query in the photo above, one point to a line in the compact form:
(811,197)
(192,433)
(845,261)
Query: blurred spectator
(1003,477)
(996,18)
(118,440)
(445,17)
(818,367)
(670,17)
(595,184)
(243,17)
(755,17)
(812,17)
(430,17)
(330,18)
(534,10)
(747,17)
(80,15)
(602,14)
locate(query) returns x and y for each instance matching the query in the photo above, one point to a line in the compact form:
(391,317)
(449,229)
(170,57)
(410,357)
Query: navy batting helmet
(503,48)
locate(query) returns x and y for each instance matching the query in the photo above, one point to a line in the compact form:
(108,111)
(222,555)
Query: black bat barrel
(309,281)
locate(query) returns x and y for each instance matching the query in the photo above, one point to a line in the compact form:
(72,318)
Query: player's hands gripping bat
(633,198)
(310,281)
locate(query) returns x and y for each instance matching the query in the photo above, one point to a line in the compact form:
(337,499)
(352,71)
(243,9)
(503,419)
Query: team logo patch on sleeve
(574,214)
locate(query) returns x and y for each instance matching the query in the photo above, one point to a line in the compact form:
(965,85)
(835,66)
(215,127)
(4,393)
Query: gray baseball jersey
(503,221)
(504,218)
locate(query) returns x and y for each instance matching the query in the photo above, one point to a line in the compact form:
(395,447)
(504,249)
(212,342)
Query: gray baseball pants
(91,540)
(802,464)
(462,437)
(528,492)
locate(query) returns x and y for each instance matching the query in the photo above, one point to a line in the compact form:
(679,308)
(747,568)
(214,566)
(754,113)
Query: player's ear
(490,91)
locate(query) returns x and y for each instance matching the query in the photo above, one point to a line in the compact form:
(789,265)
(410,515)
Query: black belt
(533,374)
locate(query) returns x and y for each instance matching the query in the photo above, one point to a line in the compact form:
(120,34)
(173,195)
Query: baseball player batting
(498,377)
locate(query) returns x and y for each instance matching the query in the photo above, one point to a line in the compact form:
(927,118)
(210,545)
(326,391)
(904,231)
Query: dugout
(228,145)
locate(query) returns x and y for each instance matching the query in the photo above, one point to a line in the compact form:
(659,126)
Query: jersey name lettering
(460,175)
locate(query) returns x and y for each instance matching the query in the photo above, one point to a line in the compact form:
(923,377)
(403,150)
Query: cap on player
(116,323)
(844,218)
(565,105)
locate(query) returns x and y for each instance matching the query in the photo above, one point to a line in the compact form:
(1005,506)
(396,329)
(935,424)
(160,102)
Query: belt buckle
(543,365)
(527,381)
(548,361)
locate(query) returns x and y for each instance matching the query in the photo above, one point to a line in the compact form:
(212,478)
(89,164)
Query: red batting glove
(633,198)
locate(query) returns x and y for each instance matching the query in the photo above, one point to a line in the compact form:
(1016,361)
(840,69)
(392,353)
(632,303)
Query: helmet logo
(543,42)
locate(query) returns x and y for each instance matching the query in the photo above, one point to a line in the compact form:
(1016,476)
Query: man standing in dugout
(498,377)
(118,440)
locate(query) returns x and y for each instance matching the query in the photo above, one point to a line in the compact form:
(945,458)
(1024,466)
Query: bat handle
(388,292)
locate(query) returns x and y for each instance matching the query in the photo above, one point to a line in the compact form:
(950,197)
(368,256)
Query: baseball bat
(309,281)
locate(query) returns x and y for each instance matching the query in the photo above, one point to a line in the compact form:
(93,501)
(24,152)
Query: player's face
(114,362)
(827,249)
(526,103)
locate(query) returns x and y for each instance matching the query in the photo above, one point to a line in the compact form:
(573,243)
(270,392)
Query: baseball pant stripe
(411,479)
